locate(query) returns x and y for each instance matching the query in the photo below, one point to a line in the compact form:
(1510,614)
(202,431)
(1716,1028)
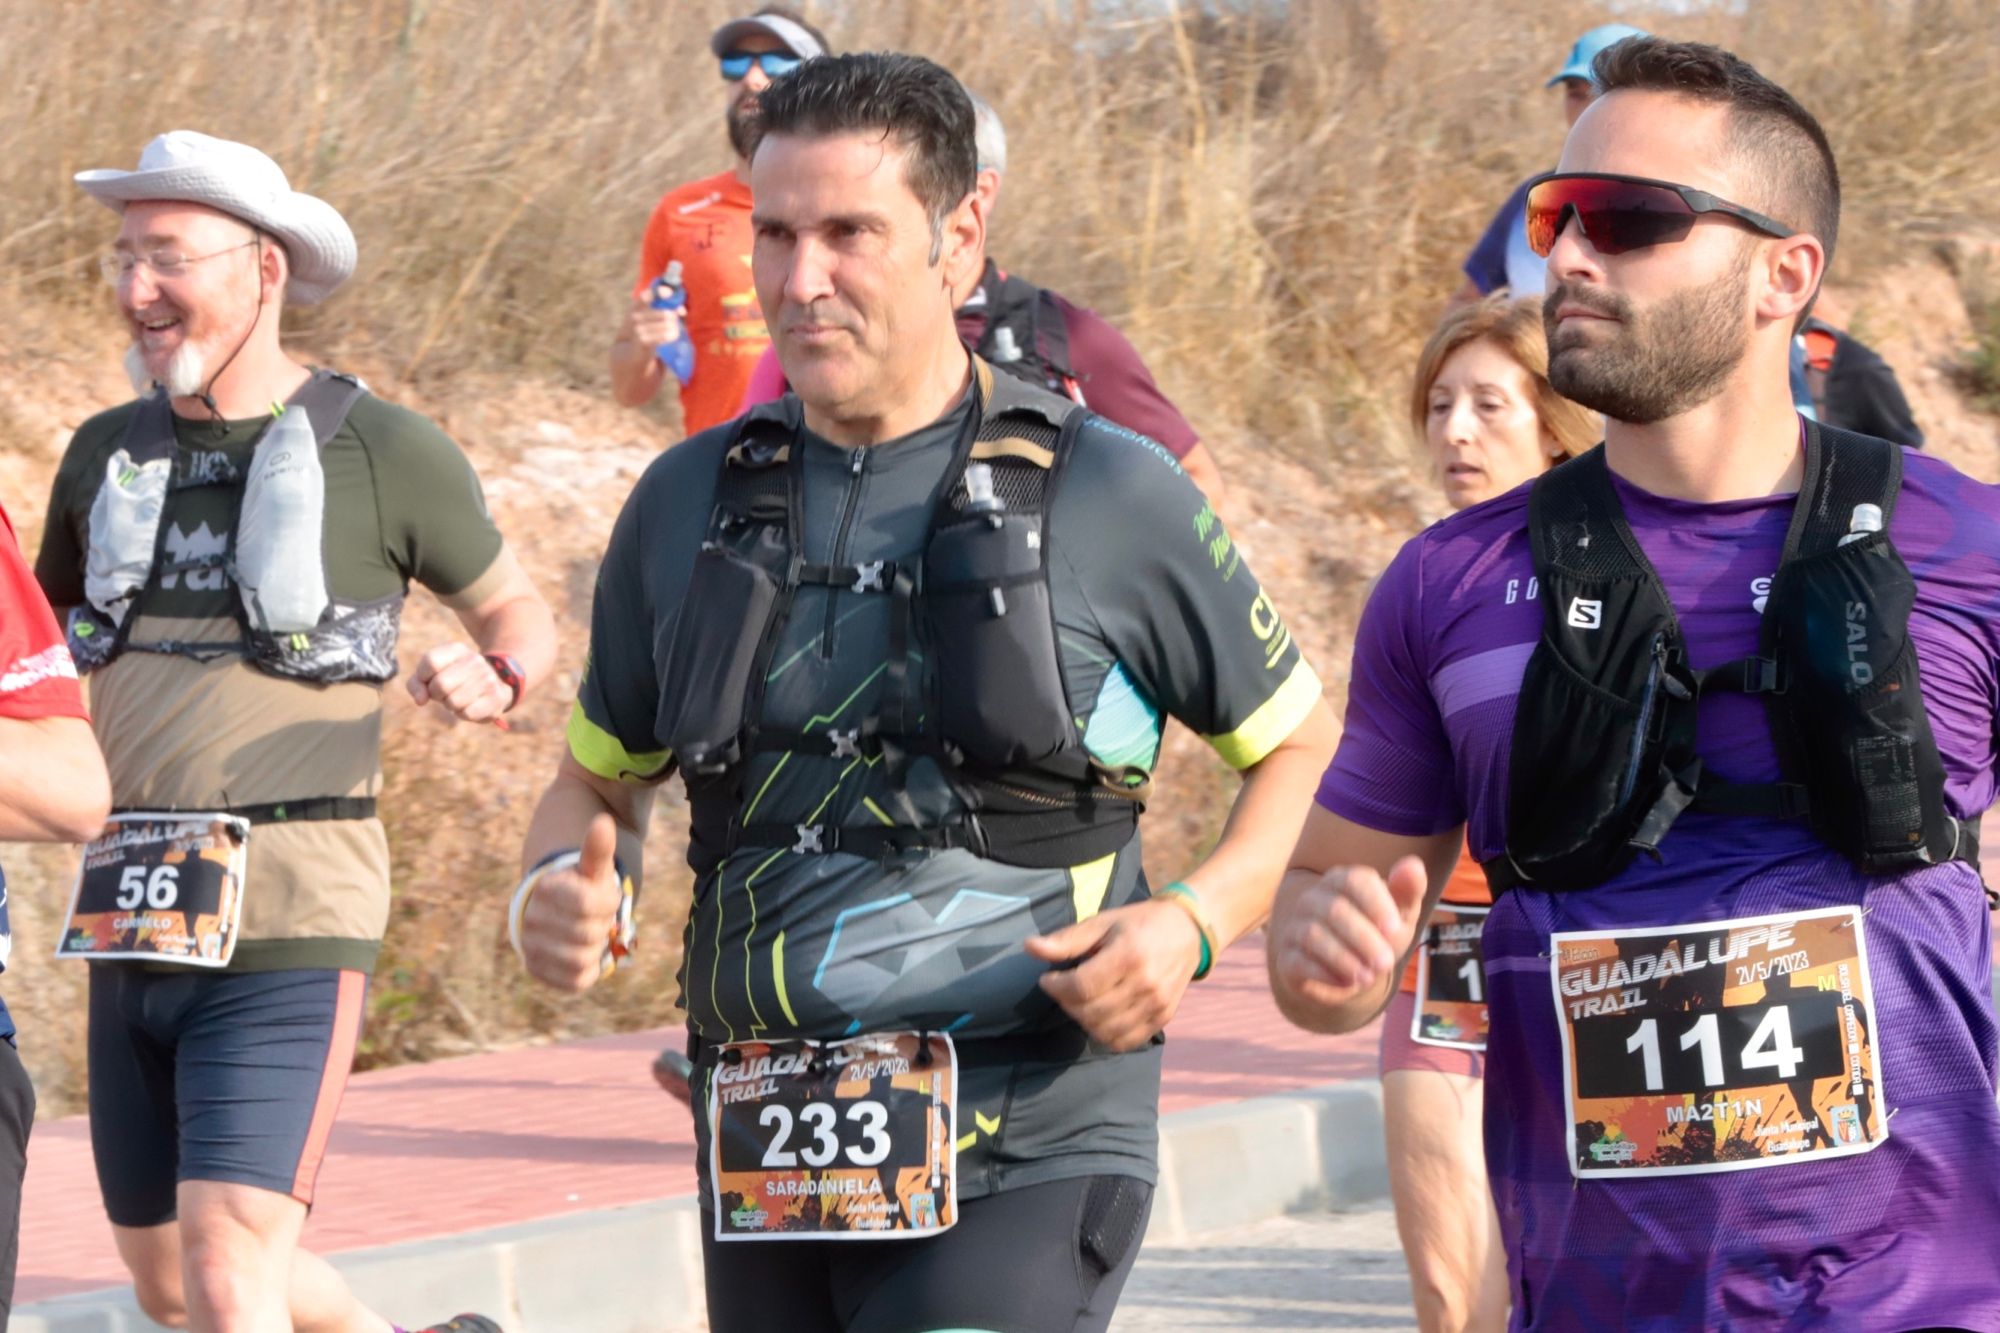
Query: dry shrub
(1270,196)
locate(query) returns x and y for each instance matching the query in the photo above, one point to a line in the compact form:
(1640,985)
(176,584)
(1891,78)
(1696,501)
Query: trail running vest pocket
(991,628)
(1576,791)
(711,650)
(1846,619)
(355,642)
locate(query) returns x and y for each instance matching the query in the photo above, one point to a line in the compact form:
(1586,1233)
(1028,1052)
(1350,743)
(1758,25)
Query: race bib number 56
(1718,1046)
(844,1140)
(166,887)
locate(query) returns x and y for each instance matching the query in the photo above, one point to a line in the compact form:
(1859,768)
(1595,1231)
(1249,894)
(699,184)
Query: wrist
(508,668)
(1188,901)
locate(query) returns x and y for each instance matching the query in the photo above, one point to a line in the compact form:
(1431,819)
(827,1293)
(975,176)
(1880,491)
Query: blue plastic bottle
(668,294)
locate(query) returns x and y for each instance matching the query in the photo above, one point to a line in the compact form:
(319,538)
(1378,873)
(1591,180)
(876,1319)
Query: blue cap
(1587,47)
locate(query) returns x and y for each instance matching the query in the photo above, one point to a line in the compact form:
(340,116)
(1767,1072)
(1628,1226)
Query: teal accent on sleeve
(1125,726)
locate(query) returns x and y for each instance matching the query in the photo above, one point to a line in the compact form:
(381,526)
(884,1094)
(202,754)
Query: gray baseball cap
(794,35)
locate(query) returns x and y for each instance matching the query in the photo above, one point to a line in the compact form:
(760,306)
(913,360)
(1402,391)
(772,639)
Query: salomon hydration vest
(1603,756)
(991,711)
(275,556)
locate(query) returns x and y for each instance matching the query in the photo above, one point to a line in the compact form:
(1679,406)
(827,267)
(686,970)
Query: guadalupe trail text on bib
(836,1140)
(1451,980)
(159,886)
(1718,1046)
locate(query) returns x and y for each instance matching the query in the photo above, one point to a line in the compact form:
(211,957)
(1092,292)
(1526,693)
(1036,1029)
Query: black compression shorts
(226,1076)
(17,1113)
(1039,1259)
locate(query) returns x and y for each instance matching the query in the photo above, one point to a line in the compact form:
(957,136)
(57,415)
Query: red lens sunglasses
(1620,213)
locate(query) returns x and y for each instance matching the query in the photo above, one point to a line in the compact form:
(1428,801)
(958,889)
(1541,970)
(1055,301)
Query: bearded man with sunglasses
(704,227)
(1717,702)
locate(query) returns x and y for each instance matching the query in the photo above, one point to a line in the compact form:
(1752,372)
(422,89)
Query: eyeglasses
(1620,213)
(736,64)
(118,264)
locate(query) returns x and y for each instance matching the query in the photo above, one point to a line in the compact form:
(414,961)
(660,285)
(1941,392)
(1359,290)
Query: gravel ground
(1324,1270)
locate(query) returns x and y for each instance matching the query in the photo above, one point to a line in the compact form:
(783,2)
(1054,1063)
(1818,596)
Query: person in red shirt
(53,788)
(704,226)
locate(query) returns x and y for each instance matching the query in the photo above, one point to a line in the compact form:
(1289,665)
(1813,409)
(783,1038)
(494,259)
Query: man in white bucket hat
(230,553)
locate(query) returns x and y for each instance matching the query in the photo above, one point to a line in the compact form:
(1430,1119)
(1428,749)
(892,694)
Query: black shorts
(226,1076)
(1039,1259)
(17,1113)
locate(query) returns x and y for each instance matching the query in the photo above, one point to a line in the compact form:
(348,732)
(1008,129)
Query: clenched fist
(464,682)
(1335,938)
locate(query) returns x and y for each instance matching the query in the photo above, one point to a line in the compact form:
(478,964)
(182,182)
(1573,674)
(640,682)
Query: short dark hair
(793,15)
(1768,129)
(914,101)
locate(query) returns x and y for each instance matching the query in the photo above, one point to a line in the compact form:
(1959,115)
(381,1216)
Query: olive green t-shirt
(179,732)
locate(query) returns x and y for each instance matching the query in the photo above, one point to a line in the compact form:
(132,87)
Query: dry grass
(1272,199)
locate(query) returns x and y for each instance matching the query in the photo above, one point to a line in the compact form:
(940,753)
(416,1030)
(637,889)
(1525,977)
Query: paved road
(1329,1270)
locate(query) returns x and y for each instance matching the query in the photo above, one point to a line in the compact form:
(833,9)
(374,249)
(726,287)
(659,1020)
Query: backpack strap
(1843,471)
(326,399)
(1052,344)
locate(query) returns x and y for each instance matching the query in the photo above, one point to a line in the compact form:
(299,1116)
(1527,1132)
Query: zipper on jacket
(839,555)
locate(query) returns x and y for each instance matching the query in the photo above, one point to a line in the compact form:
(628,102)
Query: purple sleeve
(1393,771)
(1116,384)
(1487,264)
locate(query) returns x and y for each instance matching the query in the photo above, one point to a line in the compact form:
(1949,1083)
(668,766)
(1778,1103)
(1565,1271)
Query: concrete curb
(638,1269)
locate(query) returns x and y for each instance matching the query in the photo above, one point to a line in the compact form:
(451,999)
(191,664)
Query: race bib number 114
(1718,1046)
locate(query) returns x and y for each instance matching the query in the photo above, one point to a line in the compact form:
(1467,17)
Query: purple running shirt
(1890,1239)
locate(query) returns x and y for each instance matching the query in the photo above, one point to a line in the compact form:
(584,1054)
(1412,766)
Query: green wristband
(1186,899)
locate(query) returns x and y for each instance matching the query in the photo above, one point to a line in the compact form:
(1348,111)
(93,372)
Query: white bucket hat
(236,179)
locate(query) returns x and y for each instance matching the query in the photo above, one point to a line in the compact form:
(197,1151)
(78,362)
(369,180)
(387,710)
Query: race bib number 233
(840,1140)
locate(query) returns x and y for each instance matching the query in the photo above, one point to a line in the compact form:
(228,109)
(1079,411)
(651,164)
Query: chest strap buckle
(812,839)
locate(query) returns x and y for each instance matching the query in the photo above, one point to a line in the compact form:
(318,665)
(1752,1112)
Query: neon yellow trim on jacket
(1088,883)
(1276,718)
(599,751)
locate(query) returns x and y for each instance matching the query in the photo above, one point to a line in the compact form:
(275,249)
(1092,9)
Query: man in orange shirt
(704,225)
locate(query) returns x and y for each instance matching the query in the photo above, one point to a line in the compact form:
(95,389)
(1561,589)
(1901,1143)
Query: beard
(184,371)
(742,129)
(1655,364)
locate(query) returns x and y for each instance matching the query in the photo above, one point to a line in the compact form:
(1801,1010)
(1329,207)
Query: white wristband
(526,890)
(624,930)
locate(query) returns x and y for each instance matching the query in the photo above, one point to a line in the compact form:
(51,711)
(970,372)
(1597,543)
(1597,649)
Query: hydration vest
(1603,756)
(1024,332)
(274,556)
(992,715)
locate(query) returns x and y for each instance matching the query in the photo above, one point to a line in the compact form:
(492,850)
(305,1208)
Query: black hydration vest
(354,642)
(1603,756)
(1025,334)
(994,716)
